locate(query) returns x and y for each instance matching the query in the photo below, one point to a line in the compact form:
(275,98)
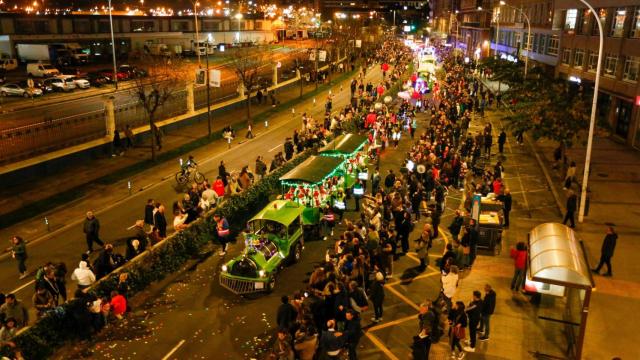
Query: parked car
(132,71)
(79,82)
(97,79)
(121,75)
(8,64)
(39,84)
(18,90)
(60,84)
(42,70)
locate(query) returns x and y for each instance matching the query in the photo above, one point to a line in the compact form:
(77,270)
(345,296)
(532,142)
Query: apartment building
(619,97)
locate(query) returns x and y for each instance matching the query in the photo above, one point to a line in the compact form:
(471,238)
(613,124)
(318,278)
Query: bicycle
(183,176)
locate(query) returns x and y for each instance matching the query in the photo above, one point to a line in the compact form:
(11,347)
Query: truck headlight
(224,268)
(261,273)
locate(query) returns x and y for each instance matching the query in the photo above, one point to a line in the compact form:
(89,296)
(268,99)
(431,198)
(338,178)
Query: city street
(116,214)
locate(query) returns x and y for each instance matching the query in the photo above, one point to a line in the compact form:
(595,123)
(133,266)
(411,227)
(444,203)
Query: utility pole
(208,93)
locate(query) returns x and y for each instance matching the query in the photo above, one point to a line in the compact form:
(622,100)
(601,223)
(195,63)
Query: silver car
(17,90)
(60,83)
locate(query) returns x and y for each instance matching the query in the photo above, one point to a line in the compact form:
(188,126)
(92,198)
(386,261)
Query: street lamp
(195,17)
(113,48)
(526,59)
(587,160)
(239,18)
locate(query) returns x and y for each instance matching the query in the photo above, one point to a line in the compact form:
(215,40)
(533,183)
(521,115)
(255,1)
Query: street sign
(201,77)
(312,56)
(322,55)
(214,78)
(358,43)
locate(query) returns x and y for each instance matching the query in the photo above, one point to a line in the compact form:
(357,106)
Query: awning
(556,256)
(344,145)
(313,170)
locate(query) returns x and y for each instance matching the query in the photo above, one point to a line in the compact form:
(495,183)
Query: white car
(17,90)
(80,82)
(60,83)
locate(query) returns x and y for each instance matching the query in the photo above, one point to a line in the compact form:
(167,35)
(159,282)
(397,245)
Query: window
(593,62)
(566,56)
(208,25)
(142,26)
(635,24)
(32,26)
(179,25)
(542,42)
(583,24)
(631,69)
(602,14)
(104,26)
(570,19)
(578,59)
(535,43)
(610,63)
(617,24)
(81,26)
(552,48)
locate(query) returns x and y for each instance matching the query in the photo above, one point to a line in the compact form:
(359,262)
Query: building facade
(619,96)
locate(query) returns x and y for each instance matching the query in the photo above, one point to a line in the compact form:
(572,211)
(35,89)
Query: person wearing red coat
(519,256)
(118,304)
(218,187)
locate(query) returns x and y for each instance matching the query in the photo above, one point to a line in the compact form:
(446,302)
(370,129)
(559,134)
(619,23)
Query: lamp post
(526,59)
(113,48)
(239,18)
(195,17)
(594,105)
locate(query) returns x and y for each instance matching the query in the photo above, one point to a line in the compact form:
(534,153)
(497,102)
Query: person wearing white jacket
(450,285)
(83,276)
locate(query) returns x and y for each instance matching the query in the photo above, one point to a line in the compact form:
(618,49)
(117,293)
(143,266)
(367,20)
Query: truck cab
(42,70)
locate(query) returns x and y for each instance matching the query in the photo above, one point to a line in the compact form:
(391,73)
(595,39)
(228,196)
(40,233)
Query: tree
(248,63)
(163,77)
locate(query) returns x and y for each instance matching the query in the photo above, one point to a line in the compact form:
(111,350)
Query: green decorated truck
(273,239)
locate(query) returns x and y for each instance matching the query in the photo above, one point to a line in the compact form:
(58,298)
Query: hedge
(63,325)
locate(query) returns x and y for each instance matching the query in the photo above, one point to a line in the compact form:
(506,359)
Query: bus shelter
(558,266)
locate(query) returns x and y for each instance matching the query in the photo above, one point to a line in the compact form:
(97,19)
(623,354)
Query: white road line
(21,287)
(175,348)
(275,147)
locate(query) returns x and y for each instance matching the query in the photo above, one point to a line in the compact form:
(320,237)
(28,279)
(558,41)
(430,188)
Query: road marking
(374,339)
(175,348)
(22,287)
(393,323)
(414,278)
(275,147)
(403,298)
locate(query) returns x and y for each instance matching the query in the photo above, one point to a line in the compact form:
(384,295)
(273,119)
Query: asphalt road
(19,112)
(68,243)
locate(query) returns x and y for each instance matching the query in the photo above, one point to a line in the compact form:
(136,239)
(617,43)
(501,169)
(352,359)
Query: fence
(134,114)
(30,140)
(226,91)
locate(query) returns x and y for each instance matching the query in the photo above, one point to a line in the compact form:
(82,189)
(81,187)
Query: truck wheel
(25,95)
(297,252)
(271,284)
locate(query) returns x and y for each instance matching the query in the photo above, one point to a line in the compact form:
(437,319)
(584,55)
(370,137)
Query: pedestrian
(118,150)
(353,333)
(389,180)
(519,256)
(141,235)
(160,220)
(423,243)
(19,252)
(118,304)
(14,309)
(428,320)
(474,236)
(449,285)
(572,206)
(507,202)
(282,346)
(331,342)
(83,276)
(130,138)
(49,283)
(376,294)
(149,210)
(222,173)
(474,312)
(375,181)
(488,307)
(60,271)
(570,176)
(502,139)
(261,167)
(457,329)
(421,345)
(287,315)
(249,131)
(606,252)
(42,301)
(159,136)
(91,229)
(456,225)
(222,232)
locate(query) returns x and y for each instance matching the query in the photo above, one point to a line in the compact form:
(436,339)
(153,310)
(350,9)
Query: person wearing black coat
(287,314)
(353,333)
(606,253)
(421,346)
(507,202)
(160,220)
(474,313)
(473,241)
(331,342)
(572,206)
(148,213)
(502,139)
(376,295)
(488,307)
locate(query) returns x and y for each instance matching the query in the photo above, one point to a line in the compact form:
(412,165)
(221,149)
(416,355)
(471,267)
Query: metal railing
(30,140)
(227,90)
(134,114)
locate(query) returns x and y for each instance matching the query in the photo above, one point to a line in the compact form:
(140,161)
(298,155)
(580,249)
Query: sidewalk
(614,201)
